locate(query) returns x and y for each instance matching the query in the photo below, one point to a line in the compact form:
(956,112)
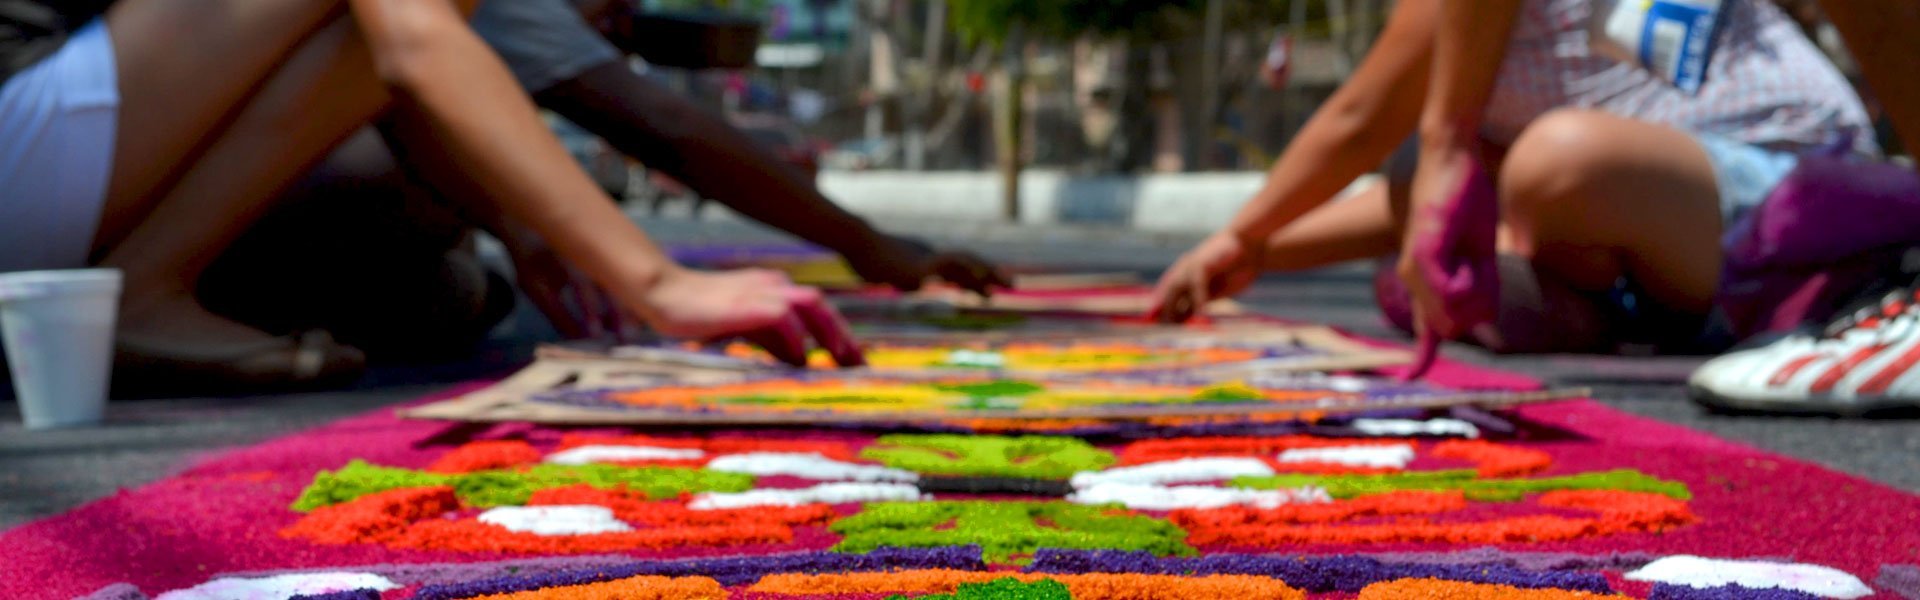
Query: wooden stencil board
(558,369)
(510,401)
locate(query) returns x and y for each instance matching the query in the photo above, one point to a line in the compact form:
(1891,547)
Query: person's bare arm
(666,132)
(1447,261)
(424,50)
(468,100)
(1353,132)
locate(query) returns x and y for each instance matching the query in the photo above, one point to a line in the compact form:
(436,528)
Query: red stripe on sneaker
(1832,377)
(1879,383)
(1792,368)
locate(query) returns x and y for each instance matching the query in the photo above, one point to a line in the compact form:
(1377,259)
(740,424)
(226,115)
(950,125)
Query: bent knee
(1555,159)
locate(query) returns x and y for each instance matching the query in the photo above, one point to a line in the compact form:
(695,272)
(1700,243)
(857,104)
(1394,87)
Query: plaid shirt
(1766,85)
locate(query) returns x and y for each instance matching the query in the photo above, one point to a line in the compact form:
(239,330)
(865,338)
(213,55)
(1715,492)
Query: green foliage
(1031,456)
(1482,490)
(992,21)
(999,589)
(1007,531)
(504,488)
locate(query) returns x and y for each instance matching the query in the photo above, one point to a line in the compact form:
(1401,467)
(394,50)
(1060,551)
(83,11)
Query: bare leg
(186,67)
(1589,197)
(1362,226)
(1880,34)
(297,270)
(208,137)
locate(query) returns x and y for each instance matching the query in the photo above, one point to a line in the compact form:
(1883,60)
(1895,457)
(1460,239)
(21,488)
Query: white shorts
(57,124)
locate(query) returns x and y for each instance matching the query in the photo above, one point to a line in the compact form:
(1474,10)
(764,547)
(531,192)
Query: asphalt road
(43,473)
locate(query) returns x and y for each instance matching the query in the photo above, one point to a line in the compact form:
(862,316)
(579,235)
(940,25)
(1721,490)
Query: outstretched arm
(1351,134)
(663,130)
(465,97)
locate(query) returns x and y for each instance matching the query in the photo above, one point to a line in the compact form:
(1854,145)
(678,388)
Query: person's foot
(168,343)
(1864,360)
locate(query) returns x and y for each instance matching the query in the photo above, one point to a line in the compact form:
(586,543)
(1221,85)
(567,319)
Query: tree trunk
(1011,128)
(1200,142)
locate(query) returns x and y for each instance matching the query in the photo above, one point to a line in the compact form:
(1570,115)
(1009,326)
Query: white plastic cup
(59,336)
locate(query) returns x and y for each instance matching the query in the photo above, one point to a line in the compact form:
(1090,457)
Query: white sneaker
(1865,360)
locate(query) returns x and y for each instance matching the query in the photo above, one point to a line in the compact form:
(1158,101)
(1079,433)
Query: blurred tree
(990,21)
(1179,27)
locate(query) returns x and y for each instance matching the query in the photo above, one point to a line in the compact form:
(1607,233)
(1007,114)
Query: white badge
(1671,38)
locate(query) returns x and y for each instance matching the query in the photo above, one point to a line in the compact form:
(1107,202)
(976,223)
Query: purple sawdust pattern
(1333,427)
(118,591)
(1313,574)
(1668,591)
(728,571)
(452,573)
(1530,561)
(1900,579)
(359,594)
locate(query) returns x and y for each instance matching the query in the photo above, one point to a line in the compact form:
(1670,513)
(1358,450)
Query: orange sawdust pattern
(714,446)
(644,587)
(377,517)
(408,518)
(635,509)
(1494,460)
(486,455)
(1437,589)
(1615,512)
(474,536)
(1377,505)
(1096,586)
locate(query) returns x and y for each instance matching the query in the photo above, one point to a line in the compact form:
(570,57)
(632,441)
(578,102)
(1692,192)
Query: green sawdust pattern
(506,488)
(1007,531)
(1045,589)
(1228,392)
(996,389)
(969,322)
(1031,456)
(1479,490)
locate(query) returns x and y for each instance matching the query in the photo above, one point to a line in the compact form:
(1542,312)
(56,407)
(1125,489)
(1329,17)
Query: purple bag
(1831,226)
(1827,209)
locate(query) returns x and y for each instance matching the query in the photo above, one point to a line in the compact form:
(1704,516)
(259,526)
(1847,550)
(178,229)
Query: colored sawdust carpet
(1549,501)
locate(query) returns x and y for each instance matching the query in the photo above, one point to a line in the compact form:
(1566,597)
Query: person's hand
(576,306)
(759,305)
(1449,262)
(905,264)
(1223,265)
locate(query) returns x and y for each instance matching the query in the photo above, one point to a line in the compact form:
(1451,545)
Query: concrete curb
(1186,203)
